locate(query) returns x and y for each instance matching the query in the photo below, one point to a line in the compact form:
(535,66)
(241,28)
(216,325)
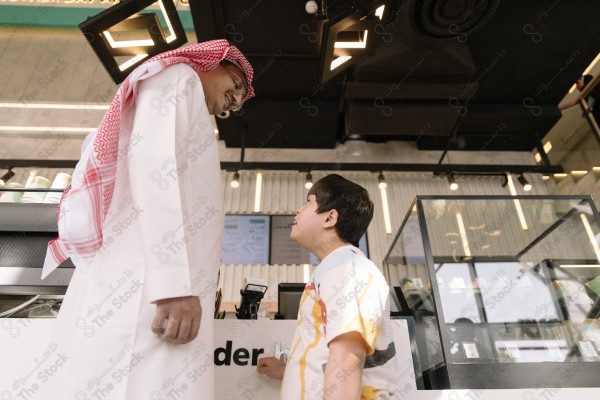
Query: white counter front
(25,364)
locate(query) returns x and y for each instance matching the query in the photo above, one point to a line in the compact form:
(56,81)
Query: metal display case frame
(486,373)
(25,230)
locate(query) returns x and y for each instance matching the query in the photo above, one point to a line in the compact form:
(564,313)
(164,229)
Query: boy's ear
(331,218)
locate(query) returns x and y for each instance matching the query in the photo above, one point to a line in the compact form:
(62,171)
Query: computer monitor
(288,299)
(245,239)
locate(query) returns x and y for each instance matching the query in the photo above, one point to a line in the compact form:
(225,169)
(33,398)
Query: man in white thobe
(136,322)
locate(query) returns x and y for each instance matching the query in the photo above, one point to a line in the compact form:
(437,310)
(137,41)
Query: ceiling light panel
(121,31)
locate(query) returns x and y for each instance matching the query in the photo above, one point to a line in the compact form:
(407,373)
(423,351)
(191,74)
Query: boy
(343,347)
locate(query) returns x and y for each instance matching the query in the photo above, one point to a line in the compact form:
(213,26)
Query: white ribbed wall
(283,192)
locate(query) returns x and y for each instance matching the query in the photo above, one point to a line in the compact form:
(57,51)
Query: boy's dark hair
(350,200)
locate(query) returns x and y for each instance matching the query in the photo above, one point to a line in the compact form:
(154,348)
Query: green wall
(62,17)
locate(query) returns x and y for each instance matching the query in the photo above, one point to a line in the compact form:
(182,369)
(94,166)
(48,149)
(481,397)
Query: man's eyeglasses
(239,89)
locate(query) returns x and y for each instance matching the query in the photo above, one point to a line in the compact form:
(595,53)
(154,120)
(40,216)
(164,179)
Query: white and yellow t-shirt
(347,292)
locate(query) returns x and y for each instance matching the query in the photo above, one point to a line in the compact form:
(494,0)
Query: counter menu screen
(264,240)
(246,239)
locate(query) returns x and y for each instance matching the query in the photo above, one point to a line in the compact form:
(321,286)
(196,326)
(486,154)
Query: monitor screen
(245,239)
(288,299)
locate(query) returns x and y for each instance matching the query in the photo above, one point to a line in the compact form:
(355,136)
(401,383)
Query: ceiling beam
(316,166)
(373,167)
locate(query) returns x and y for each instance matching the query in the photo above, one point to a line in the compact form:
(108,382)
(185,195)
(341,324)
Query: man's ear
(331,218)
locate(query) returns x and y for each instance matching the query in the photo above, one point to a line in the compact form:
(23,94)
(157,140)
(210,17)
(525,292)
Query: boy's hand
(272,367)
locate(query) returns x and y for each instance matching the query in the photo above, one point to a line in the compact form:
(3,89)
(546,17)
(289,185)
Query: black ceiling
(457,74)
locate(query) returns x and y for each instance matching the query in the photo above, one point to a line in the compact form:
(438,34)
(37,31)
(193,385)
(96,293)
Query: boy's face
(307,223)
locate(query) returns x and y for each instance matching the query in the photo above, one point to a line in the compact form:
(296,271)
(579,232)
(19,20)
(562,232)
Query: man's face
(307,224)
(224,88)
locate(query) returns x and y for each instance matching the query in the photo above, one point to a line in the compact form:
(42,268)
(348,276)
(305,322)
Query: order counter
(490,309)
(28,364)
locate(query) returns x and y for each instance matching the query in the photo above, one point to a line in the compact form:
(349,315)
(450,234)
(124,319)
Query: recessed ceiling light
(359,44)
(592,65)
(308,181)
(49,129)
(339,61)
(463,234)
(524,183)
(476,228)
(453,184)
(572,89)
(119,44)
(518,208)
(56,106)
(101,33)
(132,61)
(382,184)
(386,210)
(258,192)
(235,181)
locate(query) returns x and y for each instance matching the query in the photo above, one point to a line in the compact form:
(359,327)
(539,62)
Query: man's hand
(272,367)
(182,318)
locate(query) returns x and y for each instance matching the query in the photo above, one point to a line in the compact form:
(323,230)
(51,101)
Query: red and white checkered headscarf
(89,197)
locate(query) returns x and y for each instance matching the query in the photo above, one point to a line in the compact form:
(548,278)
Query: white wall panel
(283,192)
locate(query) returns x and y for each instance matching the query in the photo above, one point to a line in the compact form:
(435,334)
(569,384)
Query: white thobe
(162,239)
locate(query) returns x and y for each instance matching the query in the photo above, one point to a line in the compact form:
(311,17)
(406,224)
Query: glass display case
(504,291)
